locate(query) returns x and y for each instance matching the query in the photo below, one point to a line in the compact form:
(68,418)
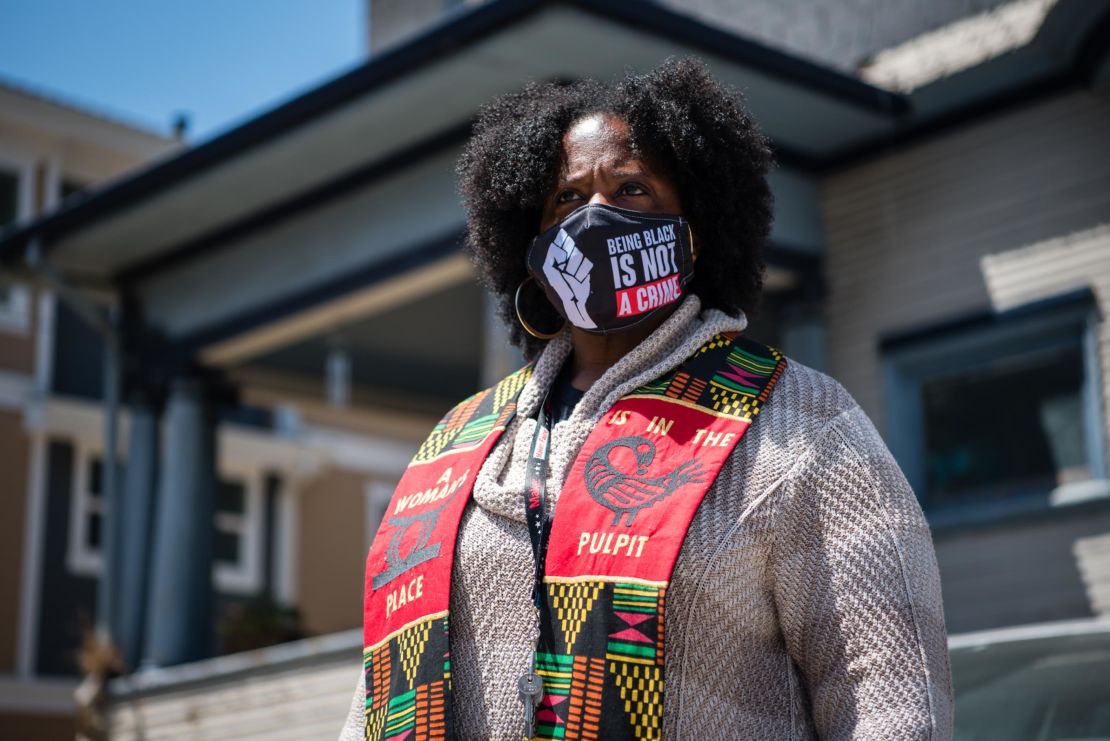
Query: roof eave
(455,30)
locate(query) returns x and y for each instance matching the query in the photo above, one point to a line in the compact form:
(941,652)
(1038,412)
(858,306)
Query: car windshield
(1040,688)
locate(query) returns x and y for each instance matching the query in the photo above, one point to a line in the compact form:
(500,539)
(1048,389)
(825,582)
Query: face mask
(607,269)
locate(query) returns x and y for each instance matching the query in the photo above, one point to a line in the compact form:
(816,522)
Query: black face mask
(607,269)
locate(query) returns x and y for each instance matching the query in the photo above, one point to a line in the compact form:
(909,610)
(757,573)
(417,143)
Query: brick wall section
(906,234)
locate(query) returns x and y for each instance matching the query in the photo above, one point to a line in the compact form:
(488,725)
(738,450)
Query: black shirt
(563,396)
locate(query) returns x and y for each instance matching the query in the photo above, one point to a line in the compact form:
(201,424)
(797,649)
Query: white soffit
(405,288)
(361,229)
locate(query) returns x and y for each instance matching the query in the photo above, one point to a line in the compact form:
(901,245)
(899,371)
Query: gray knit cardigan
(805,602)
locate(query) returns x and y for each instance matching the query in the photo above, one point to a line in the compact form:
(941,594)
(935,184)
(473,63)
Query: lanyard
(535,494)
(530,686)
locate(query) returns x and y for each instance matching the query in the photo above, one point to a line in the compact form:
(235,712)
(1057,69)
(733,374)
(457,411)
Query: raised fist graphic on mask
(568,272)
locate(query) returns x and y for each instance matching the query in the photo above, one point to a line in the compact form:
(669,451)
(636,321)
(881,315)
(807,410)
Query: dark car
(1048,682)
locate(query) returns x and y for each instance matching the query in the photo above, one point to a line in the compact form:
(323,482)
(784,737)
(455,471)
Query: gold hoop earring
(528,327)
(693,247)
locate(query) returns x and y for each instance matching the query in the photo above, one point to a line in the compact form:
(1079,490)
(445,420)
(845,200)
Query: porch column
(180,615)
(136,523)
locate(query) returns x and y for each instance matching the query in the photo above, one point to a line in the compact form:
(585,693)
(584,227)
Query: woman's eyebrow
(631,172)
(635,172)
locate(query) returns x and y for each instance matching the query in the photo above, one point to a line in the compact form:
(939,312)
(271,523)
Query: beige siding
(906,233)
(333,543)
(14,461)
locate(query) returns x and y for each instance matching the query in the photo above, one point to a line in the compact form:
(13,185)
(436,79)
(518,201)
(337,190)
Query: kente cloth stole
(622,515)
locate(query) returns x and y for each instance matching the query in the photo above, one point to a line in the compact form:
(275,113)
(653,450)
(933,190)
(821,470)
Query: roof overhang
(225,238)
(422,91)
(1070,50)
(1071,45)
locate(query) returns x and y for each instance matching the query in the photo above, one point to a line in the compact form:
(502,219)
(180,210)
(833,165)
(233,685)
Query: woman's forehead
(597,140)
(597,124)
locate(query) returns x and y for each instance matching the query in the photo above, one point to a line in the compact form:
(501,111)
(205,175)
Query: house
(50,153)
(283,313)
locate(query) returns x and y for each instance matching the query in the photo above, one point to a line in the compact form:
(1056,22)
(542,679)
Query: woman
(734,552)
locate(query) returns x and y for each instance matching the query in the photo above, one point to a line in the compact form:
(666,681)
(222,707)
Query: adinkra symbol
(421,550)
(418,554)
(568,272)
(626,493)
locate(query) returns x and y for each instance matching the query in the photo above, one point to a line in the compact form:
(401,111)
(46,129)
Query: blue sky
(220,61)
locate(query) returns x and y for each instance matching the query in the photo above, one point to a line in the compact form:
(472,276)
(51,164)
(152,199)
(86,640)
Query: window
(86,519)
(231,503)
(237,524)
(15,299)
(94,488)
(15,307)
(1000,410)
(9,197)
(237,546)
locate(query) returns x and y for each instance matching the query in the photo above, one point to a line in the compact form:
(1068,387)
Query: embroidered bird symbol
(626,493)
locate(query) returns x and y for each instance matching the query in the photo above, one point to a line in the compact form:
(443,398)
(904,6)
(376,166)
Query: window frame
(912,359)
(244,578)
(80,558)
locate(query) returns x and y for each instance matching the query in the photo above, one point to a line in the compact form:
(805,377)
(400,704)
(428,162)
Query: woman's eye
(565,196)
(633,189)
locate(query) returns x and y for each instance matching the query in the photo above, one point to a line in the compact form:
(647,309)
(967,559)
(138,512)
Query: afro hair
(691,128)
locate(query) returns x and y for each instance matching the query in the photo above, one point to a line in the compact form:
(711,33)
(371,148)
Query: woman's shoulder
(826,431)
(803,404)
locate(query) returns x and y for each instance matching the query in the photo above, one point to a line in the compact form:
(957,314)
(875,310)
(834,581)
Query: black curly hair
(691,128)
